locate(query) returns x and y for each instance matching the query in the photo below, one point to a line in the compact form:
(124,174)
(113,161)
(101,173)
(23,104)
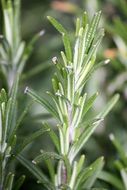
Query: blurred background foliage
(108,80)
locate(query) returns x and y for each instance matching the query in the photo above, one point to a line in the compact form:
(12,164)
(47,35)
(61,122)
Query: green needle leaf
(89,103)
(47,155)
(30,139)
(112,179)
(9,181)
(109,106)
(36,172)
(67,46)
(88,175)
(42,101)
(119,148)
(53,136)
(19,183)
(57,25)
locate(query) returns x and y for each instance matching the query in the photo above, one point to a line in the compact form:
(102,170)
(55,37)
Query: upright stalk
(69,107)
(71,101)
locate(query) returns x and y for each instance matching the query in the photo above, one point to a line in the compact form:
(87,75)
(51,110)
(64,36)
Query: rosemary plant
(69,105)
(13,56)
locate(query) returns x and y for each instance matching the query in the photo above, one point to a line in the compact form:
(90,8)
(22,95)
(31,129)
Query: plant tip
(58,94)
(38,182)
(106,61)
(48,17)
(111,136)
(55,60)
(42,32)
(33,161)
(83,156)
(1,36)
(41,151)
(26,90)
(47,92)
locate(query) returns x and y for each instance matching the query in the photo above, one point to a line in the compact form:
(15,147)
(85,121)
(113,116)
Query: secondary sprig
(14,53)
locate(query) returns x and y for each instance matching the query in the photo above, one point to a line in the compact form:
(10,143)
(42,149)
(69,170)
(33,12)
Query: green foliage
(70,104)
(13,55)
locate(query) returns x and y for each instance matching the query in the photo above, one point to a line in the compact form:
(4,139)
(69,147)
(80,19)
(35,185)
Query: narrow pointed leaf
(89,173)
(119,148)
(51,169)
(124,177)
(47,155)
(36,172)
(20,120)
(67,46)
(30,139)
(111,179)
(3,96)
(57,25)
(12,108)
(83,139)
(19,183)
(89,103)
(80,163)
(42,101)
(9,181)
(109,106)
(53,136)
(96,169)
(92,30)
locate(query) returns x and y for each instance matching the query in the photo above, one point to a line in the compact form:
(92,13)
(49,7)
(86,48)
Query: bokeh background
(107,81)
